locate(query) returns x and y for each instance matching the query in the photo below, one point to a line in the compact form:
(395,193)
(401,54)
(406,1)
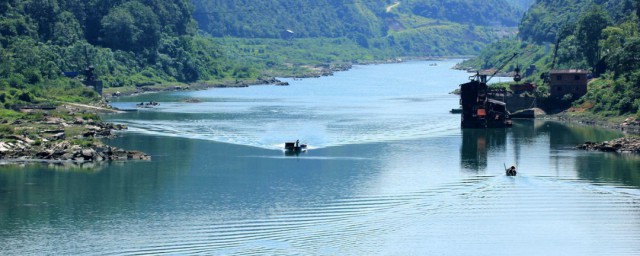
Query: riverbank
(313,71)
(70,133)
(626,124)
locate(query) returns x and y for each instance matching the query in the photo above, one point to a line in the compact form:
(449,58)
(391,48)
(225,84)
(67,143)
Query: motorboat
(294,147)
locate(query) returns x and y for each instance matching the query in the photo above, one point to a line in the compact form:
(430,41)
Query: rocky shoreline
(621,145)
(68,134)
(630,125)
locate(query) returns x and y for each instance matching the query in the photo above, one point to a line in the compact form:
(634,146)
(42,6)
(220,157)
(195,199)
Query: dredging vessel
(480,109)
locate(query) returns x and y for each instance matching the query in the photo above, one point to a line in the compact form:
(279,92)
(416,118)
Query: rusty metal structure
(479,110)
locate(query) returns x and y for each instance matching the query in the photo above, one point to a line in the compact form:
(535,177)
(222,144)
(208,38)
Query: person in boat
(511,170)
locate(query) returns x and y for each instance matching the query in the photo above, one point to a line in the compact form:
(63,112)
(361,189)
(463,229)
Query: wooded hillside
(398,28)
(337,18)
(129,42)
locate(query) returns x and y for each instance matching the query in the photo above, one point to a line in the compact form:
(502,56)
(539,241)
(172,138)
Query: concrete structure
(568,81)
(522,88)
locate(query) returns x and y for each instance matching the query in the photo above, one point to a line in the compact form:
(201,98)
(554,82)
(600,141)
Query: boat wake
(272,136)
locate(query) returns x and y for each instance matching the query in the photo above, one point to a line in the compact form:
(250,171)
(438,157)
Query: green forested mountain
(415,28)
(337,18)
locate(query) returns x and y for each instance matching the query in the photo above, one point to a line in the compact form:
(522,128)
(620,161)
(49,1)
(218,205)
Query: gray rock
(88,153)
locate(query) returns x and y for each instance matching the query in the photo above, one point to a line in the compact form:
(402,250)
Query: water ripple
(454,213)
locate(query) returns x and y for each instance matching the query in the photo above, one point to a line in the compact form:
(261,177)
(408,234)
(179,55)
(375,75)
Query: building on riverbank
(568,81)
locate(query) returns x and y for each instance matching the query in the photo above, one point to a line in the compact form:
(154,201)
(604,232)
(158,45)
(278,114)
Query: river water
(389,172)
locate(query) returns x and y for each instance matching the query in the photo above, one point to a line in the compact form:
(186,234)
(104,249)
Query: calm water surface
(389,173)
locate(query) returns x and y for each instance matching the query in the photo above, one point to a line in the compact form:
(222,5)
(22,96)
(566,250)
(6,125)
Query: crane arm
(502,66)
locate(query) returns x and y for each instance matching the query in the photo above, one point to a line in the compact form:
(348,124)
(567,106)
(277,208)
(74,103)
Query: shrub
(6,129)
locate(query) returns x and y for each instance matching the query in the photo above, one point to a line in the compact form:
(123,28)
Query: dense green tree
(176,16)
(625,60)
(131,26)
(66,30)
(44,12)
(589,32)
(612,39)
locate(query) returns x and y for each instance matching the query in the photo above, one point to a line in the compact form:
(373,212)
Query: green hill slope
(130,44)
(411,27)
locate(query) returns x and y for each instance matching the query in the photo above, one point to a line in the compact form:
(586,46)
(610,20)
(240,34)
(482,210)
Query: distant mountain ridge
(337,18)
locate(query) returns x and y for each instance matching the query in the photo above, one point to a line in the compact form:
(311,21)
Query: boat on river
(150,104)
(480,105)
(511,171)
(294,147)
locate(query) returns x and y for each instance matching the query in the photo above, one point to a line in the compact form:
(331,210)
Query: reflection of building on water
(477,143)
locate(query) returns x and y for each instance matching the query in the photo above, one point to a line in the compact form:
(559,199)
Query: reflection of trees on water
(595,166)
(185,176)
(523,134)
(47,194)
(478,143)
(610,167)
(563,135)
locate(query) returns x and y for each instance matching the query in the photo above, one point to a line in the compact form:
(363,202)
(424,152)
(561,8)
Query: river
(388,172)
